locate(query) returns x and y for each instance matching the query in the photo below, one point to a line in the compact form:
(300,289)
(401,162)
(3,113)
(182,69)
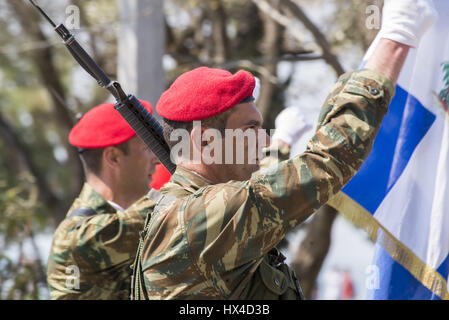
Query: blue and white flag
(400,196)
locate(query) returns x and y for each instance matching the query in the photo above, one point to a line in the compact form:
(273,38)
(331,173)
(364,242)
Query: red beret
(203,93)
(160,177)
(102,126)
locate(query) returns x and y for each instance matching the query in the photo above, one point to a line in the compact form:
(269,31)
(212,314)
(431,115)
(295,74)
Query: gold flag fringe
(359,216)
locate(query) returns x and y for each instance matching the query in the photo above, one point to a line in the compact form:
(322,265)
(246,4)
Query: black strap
(138,290)
(83,211)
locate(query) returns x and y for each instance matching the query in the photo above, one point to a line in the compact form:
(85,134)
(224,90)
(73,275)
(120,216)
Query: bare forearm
(388,58)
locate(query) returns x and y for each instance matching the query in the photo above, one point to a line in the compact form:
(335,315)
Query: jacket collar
(92,199)
(185,182)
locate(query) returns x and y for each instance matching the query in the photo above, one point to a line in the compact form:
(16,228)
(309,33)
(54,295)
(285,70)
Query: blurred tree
(40,172)
(21,276)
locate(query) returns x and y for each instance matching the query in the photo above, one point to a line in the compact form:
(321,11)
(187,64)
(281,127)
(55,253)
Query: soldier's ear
(196,139)
(201,136)
(111,157)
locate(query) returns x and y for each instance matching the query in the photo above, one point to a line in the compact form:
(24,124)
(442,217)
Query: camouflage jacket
(214,238)
(90,257)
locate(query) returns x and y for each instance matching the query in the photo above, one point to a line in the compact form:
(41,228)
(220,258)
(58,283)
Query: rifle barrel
(129,107)
(43,13)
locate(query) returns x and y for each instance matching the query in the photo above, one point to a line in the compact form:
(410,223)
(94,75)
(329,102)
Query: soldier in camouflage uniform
(279,150)
(213,231)
(216,240)
(95,244)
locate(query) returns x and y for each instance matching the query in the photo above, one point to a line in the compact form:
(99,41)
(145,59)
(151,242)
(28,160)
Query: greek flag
(400,196)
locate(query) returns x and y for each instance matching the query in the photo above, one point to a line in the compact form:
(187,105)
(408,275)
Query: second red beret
(102,126)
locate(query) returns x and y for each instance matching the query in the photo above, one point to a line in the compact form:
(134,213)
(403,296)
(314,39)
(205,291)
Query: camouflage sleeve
(103,248)
(347,126)
(274,154)
(107,240)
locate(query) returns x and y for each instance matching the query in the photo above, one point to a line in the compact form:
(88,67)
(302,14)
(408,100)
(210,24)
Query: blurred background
(296,48)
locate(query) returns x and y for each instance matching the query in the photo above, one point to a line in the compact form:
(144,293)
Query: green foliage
(21,272)
(29,134)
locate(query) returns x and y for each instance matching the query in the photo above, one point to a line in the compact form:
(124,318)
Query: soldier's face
(247,118)
(137,167)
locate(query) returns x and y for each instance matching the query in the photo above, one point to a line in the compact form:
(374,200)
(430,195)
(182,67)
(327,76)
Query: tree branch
(217,15)
(275,14)
(328,56)
(312,251)
(15,144)
(270,48)
(44,61)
